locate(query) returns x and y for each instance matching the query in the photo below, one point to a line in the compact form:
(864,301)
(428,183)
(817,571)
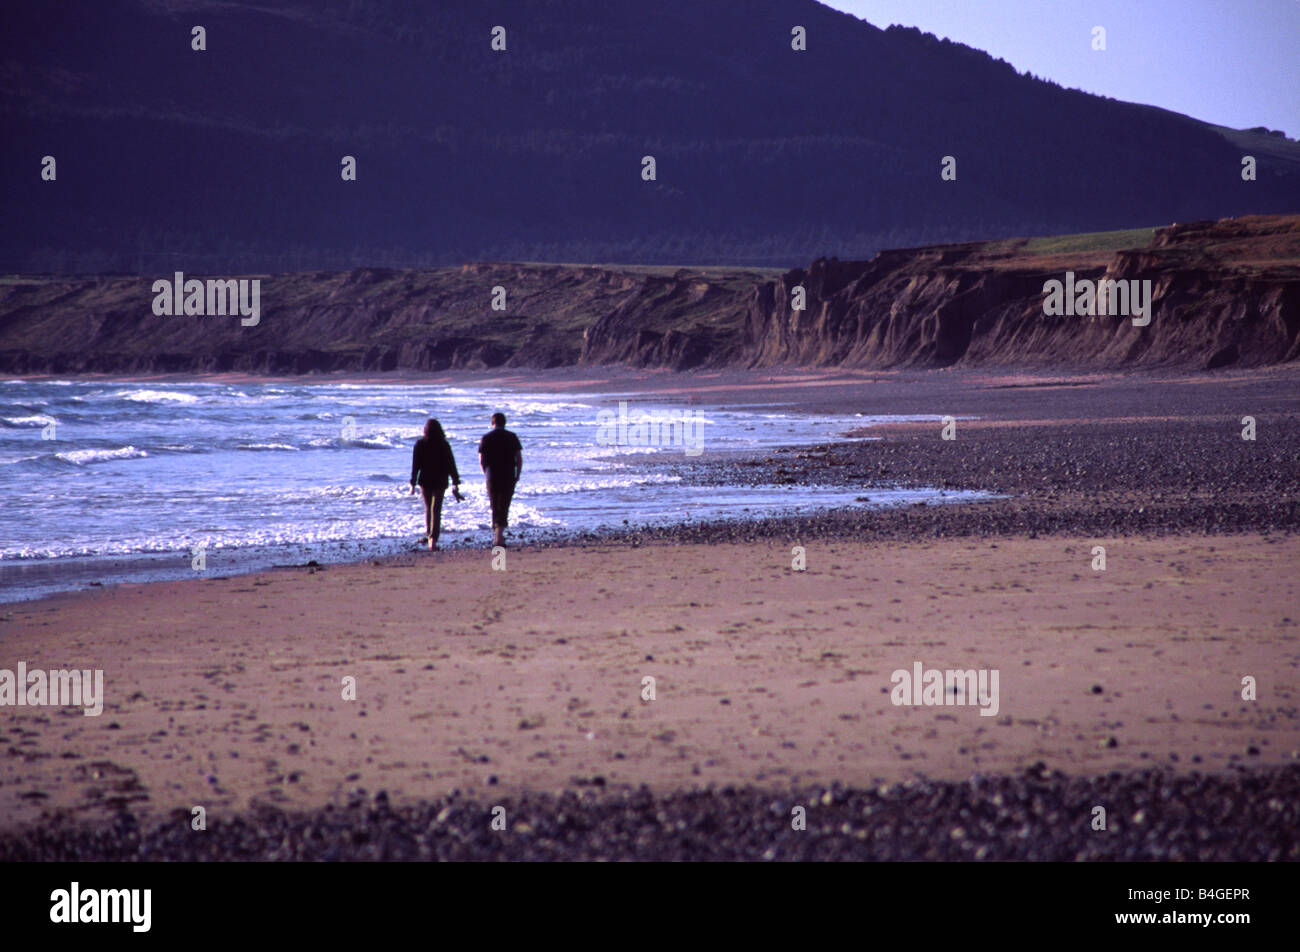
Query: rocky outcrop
(679,322)
(1223,294)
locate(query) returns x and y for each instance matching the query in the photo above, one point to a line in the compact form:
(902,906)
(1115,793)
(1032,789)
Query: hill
(229,160)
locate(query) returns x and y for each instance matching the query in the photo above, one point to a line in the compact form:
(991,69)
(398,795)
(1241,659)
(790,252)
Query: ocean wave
(266,446)
(15,422)
(614,449)
(371,442)
(242,399)
(537,406)
(374,442)
(589,485)
(354,493)
(86,457)
(156,396)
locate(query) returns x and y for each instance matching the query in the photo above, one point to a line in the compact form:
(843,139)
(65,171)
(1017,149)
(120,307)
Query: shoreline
(734,382)
(1040,442)
(480,684)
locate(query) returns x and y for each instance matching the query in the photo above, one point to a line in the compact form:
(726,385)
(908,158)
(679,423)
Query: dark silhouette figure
(502,460)
(432,465)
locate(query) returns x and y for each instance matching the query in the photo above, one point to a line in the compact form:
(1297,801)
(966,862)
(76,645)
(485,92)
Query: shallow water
(131,478)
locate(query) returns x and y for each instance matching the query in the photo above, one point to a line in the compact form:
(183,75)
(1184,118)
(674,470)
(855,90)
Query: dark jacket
(432,463)
(497,452)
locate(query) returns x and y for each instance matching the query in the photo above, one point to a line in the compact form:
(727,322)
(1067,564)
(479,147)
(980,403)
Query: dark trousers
(500,492)
(432,510)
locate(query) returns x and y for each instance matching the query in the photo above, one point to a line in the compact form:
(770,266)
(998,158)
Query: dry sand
(223,691)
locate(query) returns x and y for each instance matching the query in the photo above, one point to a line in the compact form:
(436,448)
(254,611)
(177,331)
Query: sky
(1231,62)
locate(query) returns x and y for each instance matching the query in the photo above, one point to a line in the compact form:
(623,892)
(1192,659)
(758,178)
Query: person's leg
(436,530)
(494,499)
(507,494)
(426,493)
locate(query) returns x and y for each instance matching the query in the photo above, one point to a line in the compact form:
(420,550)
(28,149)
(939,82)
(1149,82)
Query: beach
(225,691)
(772,645)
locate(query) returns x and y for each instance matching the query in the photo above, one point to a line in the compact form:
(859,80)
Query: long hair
(433,431)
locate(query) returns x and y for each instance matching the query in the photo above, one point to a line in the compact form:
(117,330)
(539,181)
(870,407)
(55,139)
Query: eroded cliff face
(377,320)
(679,322)
(1222,293)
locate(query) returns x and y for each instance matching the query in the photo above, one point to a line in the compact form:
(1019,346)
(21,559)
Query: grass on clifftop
(1089,242)
(1093,241)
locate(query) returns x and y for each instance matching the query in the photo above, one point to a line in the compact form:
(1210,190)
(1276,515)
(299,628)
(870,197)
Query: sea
(111,481)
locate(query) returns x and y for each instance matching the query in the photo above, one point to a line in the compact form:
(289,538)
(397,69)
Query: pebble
(1039,815)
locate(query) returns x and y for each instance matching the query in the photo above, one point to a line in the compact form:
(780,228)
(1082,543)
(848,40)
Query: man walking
(502,460)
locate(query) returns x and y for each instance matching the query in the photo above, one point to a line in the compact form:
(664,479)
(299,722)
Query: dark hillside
(228,160)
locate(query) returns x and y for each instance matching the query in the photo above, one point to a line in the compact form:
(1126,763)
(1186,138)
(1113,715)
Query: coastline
(482,686)
(1054,460)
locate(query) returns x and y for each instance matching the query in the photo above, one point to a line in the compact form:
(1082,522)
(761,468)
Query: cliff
(1222,293)
(375,319)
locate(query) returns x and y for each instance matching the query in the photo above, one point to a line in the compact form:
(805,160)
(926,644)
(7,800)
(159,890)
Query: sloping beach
(501,686)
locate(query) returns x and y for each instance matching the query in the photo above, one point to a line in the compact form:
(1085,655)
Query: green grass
(1094,241)
(661,270)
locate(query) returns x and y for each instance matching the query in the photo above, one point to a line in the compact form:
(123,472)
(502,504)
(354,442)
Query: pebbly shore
(1038,815)
(1103,478)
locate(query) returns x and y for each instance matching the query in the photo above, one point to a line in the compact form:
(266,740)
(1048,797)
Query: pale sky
(1230,62)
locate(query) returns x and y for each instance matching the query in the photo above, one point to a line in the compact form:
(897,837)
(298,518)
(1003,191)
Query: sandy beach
(504,685)
(221,692)
(803,431)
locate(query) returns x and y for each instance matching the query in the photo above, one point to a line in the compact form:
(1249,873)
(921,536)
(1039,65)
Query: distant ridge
(228,160)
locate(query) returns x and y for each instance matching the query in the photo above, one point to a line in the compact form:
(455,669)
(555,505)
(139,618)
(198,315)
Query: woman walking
(432,464)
